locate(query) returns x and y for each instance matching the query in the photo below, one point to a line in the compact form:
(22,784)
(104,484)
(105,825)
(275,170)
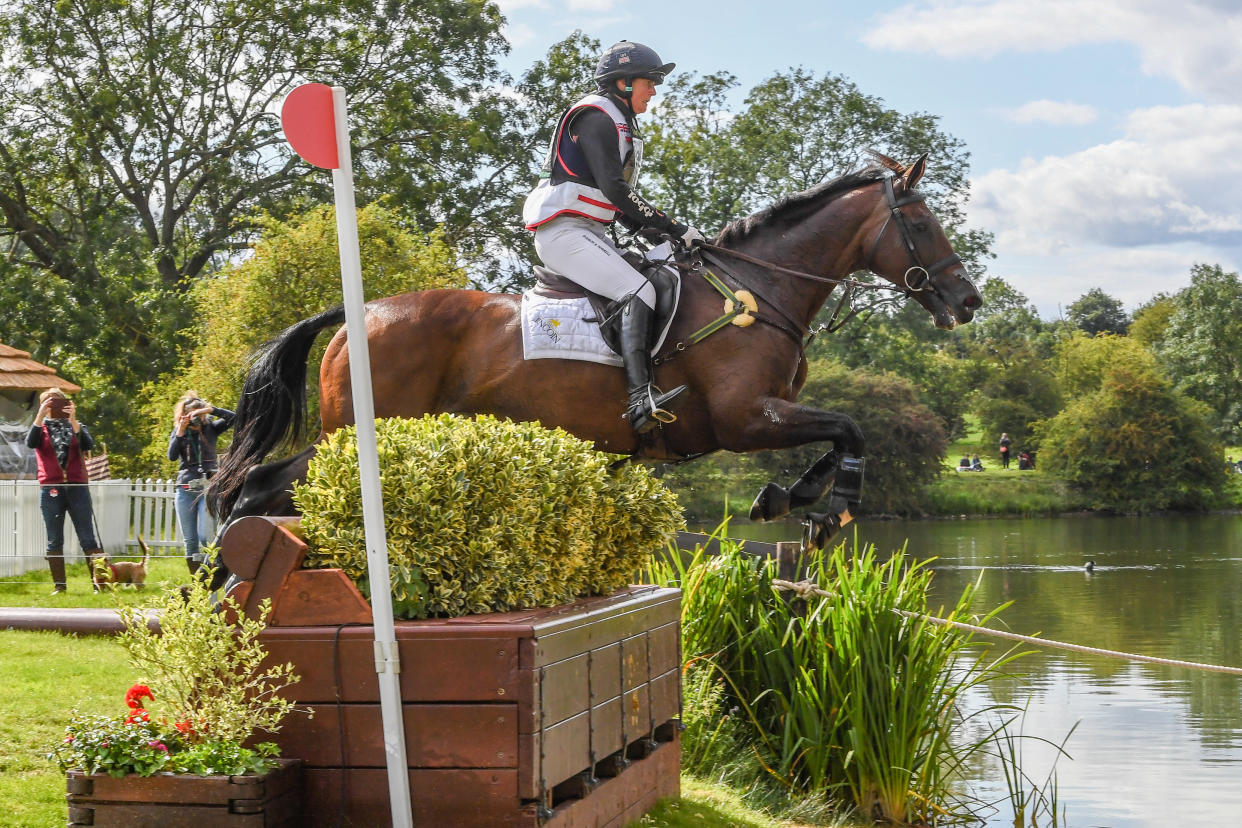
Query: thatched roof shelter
(21,381)
(21,373)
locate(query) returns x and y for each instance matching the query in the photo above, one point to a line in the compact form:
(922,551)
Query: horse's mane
(798,204)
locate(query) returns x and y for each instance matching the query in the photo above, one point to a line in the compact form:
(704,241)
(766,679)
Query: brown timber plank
(436,736)
(459,669)
(441,798)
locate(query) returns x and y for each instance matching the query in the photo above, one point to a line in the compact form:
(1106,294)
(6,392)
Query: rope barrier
(803,589)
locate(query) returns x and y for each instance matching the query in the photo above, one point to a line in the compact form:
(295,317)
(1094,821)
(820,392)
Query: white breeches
(578,249)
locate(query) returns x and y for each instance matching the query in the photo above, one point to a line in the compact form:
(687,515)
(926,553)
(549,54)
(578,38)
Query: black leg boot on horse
(648,406)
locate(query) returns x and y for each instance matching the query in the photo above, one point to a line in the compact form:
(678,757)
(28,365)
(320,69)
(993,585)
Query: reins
(775,268)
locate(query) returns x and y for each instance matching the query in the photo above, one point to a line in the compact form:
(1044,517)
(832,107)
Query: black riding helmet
(630,60)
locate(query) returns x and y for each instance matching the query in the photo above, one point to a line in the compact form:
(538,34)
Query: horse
(460,351)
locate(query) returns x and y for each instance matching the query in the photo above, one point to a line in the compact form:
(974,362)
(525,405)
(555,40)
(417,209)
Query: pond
(1155,745)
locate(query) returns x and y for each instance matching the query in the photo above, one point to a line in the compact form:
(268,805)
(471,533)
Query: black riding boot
(648,406)
(56,563)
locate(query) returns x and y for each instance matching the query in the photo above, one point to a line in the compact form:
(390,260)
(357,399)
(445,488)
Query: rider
(588,181)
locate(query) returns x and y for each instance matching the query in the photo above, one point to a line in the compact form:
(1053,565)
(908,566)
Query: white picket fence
(124,509)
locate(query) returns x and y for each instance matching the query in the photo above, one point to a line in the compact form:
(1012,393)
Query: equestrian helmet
(628,59)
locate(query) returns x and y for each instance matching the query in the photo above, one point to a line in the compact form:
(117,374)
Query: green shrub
(485,515)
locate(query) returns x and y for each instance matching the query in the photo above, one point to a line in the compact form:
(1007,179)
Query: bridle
(923,275)
(916,279)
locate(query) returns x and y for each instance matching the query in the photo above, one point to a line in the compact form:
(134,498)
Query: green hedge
(485,515)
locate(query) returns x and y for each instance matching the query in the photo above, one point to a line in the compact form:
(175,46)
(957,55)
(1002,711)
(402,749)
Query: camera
(58,407)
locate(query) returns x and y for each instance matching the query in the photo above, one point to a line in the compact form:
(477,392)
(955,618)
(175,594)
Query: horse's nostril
(973,301)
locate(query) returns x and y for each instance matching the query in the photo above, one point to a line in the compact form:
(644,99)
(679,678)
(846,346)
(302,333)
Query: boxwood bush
(485,515)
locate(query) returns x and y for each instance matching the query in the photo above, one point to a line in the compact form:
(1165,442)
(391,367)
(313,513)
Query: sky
(1103,133)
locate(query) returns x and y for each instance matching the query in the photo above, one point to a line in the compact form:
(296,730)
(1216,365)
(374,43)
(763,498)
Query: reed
(837,695)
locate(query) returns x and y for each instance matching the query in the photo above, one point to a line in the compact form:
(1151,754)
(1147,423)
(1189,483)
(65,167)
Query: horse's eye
(920,226)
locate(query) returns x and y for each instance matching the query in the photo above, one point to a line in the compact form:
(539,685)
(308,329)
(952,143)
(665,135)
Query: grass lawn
(34,588)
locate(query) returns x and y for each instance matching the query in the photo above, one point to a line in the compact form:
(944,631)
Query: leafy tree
(899,340)
(796,129)
(150,123)
(1151,320)
(294,273)
(905,441)
(1082,362)
(139,148)
(1012,398)
(1096,312)
(1202,345)
(1135,445)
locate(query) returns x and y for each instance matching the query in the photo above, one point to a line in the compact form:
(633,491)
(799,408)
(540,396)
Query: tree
(139,145)
(1151,320)
(294,273)
(1202,345)
(1135,445)
(1013,397)
(710,166)
(1096,312)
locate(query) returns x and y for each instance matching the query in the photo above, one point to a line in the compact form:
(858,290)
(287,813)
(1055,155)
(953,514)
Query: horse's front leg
(784,424)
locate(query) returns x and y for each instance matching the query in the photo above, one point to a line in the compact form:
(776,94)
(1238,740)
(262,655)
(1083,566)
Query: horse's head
(904,243)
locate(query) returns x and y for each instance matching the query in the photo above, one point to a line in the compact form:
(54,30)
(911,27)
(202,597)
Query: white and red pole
(315,123)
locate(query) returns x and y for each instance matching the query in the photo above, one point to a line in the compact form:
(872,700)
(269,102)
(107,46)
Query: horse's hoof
(771,502)
(818,529)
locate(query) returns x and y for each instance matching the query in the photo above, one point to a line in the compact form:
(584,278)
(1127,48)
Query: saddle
(667,284)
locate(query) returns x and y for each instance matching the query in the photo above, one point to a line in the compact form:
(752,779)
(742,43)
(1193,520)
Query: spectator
(197,425)
(1024,461)
(975,463)
(963,464)
(60,443)
(1004,449)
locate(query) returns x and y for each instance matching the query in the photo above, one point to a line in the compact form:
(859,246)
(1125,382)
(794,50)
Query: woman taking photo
(197,425)
(60,443)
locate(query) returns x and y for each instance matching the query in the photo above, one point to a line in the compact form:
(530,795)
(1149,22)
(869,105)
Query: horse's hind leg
(267,490)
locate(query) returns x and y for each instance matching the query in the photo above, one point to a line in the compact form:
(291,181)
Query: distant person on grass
(975,463)
(1004,450)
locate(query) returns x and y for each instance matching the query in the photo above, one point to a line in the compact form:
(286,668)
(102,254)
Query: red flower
(186,727)
(137,716)
(135,695)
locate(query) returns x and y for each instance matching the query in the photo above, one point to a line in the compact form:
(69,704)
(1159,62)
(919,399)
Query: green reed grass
(836,695)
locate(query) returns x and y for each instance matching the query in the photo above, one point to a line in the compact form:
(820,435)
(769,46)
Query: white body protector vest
(548,200)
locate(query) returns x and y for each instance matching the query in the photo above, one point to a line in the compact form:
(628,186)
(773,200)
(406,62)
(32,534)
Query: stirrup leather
(656,412)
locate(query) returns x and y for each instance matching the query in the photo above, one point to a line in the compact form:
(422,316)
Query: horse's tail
(272,408)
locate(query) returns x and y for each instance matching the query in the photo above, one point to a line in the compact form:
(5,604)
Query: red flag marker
(307,118)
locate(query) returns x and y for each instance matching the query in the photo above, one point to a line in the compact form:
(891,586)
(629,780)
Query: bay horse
(460,351)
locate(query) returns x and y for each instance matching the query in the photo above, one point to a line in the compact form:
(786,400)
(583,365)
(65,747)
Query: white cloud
(1130,216)
(1194,42)
(1053,112)
(1167,180)
(591,5)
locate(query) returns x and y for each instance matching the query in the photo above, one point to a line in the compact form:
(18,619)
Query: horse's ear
(886,162)
(914,173)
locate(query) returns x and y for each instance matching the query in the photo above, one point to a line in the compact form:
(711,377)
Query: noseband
(918,277)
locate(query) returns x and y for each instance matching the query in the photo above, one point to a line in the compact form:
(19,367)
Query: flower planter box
(185,801)
(556,717)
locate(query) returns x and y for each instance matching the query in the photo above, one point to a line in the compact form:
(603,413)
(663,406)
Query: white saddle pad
(559,329)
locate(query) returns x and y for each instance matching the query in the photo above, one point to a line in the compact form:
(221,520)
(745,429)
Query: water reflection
(1155,745)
